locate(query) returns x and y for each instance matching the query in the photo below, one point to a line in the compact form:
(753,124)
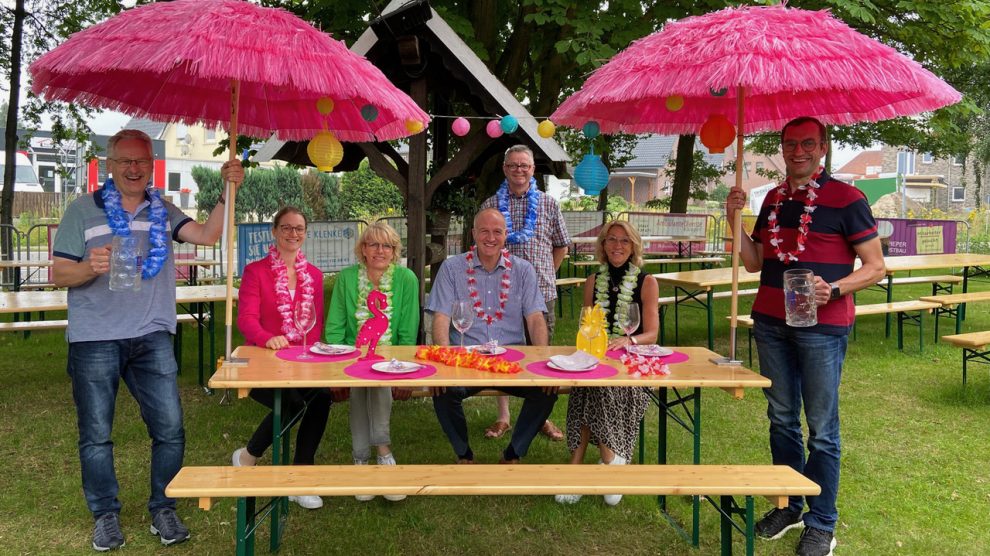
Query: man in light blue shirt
(505,295)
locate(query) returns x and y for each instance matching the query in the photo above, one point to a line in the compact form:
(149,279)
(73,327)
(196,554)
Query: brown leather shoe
(497,429)
(502,461)
(463,461)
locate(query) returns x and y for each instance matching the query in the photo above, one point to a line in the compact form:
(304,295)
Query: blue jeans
(805,366)
(537,406)
(147,365)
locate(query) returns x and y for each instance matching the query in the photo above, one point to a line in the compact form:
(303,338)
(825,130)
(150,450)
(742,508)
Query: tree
(321,194)
(365,195)
(262,194)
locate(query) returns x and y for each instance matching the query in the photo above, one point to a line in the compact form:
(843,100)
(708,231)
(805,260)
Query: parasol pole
(231,194)
(736,235)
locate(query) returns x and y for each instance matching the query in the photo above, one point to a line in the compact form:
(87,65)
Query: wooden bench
(775,482)
(903,309)
(705,262)
(665,302)
(954,305)
(974,346)
(567,284)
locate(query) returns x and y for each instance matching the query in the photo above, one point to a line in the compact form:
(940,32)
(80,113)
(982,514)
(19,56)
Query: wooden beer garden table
(264,369)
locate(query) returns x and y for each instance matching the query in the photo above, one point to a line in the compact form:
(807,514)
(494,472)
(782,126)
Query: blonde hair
(637,242)
(382,233)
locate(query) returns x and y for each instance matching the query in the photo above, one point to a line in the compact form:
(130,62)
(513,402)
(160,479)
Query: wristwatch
(836,294)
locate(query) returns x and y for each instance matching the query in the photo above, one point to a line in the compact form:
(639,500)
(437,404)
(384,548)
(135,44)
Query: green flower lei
(364,288)
(625,296)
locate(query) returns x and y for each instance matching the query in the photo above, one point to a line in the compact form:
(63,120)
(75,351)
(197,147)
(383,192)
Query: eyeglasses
(126,162)
(623,241)
(808,145)
(287,229)
(514,167)
(383,246)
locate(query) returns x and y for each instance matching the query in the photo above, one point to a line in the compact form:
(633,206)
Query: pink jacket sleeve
(249,305)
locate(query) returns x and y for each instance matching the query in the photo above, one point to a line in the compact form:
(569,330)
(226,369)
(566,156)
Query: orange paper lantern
(717,133)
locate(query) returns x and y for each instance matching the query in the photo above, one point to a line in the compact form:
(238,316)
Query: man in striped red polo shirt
(811,221)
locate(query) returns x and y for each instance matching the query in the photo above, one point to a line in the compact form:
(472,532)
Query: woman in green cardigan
(378,249)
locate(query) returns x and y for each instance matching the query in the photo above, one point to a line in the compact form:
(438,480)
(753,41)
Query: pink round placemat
(362,369)
(293,353)
(676,357)
(601,371)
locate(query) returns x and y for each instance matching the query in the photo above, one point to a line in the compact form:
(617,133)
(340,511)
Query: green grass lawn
(915,473)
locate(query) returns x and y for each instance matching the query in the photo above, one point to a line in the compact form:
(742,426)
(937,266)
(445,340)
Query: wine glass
(628,320)
(304,316)
(586,328)
(462,317)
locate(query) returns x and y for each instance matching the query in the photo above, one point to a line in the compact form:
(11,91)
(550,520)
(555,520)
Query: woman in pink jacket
(270,288)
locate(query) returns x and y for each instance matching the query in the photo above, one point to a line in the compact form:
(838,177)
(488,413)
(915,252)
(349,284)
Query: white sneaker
(236,458)
(308,502)
(363,497)
(613,499)
(567,498)
(389,459)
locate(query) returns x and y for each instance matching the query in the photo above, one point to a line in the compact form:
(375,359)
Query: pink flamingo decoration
(374,327)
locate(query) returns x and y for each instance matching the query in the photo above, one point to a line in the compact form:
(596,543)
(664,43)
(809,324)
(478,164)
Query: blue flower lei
(120,225)
(529,224)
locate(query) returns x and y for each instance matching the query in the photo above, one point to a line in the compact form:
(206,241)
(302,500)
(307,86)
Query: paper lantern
(324,106)
(546,129)
(591,129)
(717,133)
(591,174)
(494,129)
(674,103)
(718,92)
(509,124)
(325,151)
(460,127)
(414,126)
(369,113)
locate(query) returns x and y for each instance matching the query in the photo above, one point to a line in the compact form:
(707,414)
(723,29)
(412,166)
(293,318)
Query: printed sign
(328,245)
(900,236)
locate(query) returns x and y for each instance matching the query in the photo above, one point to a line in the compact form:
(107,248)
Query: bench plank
(957,298)
(776,482)
(974,340)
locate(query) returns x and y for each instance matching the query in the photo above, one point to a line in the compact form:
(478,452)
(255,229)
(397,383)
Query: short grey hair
(520,149)
(129,134)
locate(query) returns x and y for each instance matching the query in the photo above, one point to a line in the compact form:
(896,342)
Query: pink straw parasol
(760,67)
(227,63)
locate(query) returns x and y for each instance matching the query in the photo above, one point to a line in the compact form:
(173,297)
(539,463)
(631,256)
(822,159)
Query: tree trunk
(681,191)
(10,137)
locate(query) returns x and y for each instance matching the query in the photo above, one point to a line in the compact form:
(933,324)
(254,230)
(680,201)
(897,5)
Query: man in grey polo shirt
(508,299)
(116,335)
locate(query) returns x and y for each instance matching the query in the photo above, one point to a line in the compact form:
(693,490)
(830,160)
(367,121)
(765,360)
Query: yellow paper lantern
(324,106)
(674,103)
(325,151)
(546,129)
(414,126)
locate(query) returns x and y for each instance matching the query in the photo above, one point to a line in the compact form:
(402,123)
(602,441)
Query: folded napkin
(577,361)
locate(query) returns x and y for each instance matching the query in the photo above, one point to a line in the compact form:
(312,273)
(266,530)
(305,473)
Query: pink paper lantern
(494,129)
(460,127)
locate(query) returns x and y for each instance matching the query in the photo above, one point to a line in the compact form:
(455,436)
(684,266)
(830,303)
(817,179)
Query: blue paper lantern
(509,124)
(591,129)
(591,174)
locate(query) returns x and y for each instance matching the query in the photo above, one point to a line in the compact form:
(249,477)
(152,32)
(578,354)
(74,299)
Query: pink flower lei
(804,224)
(503,294)
(304,286)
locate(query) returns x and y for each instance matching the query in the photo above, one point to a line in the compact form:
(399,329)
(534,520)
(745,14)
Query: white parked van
(25,179)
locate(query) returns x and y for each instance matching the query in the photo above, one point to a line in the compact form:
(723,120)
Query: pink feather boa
(304,286)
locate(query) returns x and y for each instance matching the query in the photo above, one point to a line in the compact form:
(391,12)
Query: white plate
(331,349)
(480,349)
(554,366)
(649,350)
(404,368)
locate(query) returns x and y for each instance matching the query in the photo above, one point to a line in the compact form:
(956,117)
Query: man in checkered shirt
(539,236)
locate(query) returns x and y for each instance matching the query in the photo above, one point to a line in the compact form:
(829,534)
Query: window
(759,165)
(210,136)
(174,181)
(927,158)
(181,131)
(958,160)
(958,194)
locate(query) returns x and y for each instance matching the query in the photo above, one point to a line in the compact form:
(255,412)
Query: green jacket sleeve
(406,314)
(338,316)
